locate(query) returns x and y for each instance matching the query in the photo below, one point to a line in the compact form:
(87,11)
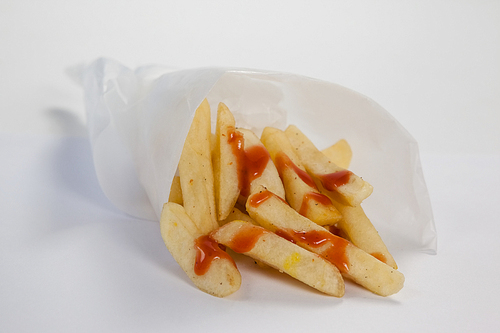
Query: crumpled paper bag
(138,120)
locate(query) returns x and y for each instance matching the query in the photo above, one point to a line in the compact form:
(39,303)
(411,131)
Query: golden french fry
(176,191)
(362,233)
(211,269)
(196,173)
(339,153)
(265,246)
(355,224)
(259,168)
(342,184)
(225,164)
(274,214)
(300,190)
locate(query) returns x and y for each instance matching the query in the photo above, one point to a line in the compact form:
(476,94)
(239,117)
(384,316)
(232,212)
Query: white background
(71,262)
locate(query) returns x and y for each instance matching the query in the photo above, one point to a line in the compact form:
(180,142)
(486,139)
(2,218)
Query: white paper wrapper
(138,120)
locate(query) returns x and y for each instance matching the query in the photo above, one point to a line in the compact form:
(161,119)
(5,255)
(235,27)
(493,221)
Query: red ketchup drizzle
(283,162)
(334,252)
(380,256)
(256,199)
(331,181)
(246,239)
(318,197)
(251,161)
(207,250)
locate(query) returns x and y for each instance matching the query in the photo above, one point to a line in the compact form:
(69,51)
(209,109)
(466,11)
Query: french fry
(225,163)
(231,169)
(355,224)
(274,214)
(185,229)
(196,173)
(213,273)
(362,233)
(342,184)
(300,190)
(241,163)
(339,153)
(263,245)
(176,191)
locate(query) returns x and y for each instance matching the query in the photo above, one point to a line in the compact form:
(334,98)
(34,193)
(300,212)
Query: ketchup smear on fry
(207,250)
(314,239)
(318,197)
(246,238)
(282,162)
(333,180)
(251,161)
(256,199)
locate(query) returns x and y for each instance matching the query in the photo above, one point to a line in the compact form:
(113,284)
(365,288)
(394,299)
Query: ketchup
(318,197)
(256,199)
(251,161)
(207,250)
(283,161)
(331,181)
(334,251)
(246,238)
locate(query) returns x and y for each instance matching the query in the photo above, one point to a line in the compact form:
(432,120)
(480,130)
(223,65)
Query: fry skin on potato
(343,185)
(274,214)
(196,172)
(265,246)
(225,163)
(300,190)
(185,241)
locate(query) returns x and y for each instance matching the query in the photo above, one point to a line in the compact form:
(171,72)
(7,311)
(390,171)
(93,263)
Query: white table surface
(70,262)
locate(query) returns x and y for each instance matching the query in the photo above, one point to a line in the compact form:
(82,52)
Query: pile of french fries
(278,200)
